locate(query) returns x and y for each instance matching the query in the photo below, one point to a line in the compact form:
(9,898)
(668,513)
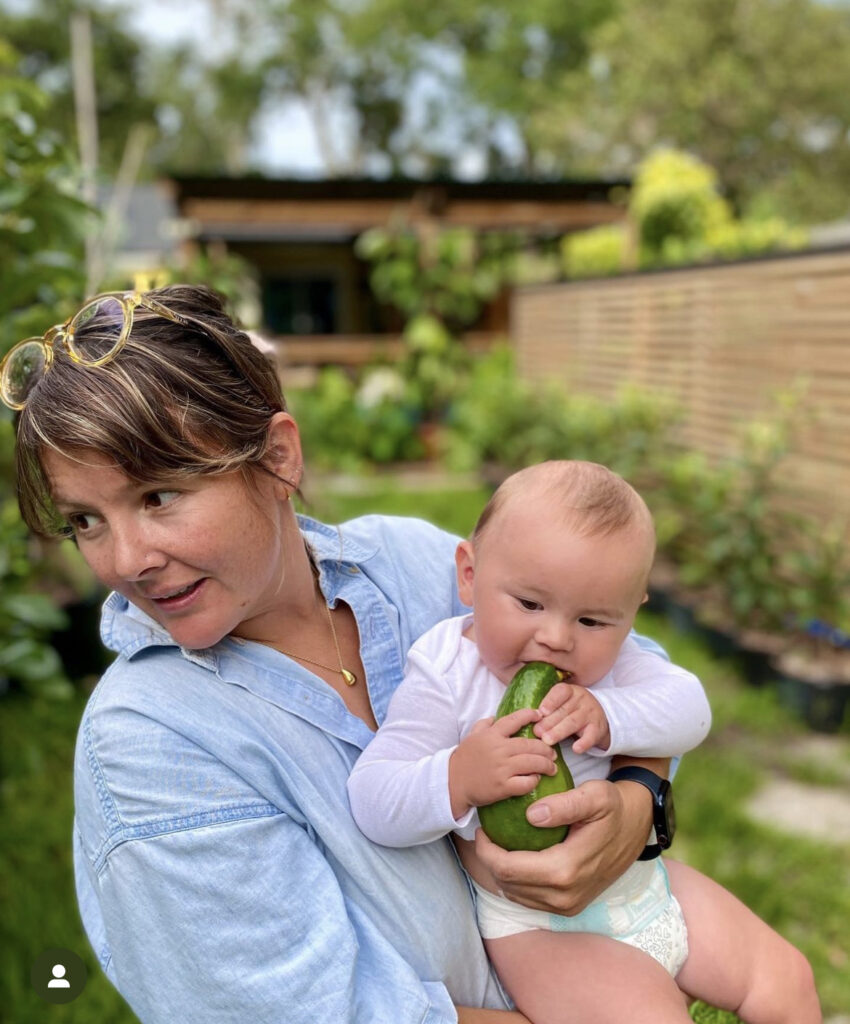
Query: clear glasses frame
(27,361)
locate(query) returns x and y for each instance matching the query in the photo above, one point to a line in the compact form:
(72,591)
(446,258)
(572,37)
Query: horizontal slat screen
(721,341)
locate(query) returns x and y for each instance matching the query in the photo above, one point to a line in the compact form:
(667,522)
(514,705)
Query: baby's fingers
(513,722)
(556,698)
(533,764)
(591,736)
(519,785)
(558,725)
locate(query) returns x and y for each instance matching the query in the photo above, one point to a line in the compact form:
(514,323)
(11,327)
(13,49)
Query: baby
(556,570)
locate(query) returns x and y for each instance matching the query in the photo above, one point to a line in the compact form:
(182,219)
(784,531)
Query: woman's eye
(158,499)
(81,522)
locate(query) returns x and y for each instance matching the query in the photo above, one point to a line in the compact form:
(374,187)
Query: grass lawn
(800,886)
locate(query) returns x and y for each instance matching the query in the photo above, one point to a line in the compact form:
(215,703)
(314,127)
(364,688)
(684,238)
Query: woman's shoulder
(137,697)
(397,532)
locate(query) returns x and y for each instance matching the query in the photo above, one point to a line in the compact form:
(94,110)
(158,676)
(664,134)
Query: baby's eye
(528,604)
(586,620)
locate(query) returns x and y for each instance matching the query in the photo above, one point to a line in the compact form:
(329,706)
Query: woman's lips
(179,599)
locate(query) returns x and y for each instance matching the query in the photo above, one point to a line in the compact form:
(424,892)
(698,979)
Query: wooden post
(85,106)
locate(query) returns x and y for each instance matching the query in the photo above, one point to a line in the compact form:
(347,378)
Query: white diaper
(637,909)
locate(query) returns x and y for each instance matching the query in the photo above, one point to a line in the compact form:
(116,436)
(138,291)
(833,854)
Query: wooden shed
(300,236)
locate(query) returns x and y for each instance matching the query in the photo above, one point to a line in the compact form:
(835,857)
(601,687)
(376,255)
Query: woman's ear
(283,457)
(465,562)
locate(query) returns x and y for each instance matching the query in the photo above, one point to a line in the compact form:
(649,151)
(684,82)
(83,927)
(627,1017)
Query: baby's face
(541,592)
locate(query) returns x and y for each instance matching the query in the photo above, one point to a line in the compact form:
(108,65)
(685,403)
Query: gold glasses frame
(64,335)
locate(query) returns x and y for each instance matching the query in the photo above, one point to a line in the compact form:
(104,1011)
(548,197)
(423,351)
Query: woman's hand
(609,824)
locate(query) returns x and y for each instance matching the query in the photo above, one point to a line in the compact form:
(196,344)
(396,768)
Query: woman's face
(204,557)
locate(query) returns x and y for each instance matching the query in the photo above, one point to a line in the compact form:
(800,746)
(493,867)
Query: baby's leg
(736,961)
(577,978)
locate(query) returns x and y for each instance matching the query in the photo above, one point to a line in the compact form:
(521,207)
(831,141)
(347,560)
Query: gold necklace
(349,677)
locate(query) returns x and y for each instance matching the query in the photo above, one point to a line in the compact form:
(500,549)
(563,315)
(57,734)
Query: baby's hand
(490,763)
(570,710)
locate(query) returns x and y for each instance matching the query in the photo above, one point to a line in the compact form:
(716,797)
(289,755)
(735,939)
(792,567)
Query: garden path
(819,811)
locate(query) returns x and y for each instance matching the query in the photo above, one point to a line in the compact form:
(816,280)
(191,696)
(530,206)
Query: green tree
(755,88)
(40,34)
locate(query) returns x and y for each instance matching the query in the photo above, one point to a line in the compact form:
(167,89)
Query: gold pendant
(349,677)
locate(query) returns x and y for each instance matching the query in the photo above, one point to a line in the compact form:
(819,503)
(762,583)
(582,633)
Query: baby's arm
(651,708)
(401,790)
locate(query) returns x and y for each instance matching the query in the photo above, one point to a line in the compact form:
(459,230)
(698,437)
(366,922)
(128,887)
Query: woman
(219,873)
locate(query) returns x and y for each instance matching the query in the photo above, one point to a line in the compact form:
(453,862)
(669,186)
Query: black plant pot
(824,705)
(680,616)
(658,600)
(721,643)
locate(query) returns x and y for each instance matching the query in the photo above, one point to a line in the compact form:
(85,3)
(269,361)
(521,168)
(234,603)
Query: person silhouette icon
(59,980)
(58,975)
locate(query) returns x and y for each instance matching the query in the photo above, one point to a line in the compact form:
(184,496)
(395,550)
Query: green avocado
(504,821)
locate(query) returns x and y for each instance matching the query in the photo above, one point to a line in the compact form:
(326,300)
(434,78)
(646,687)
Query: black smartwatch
(663,812)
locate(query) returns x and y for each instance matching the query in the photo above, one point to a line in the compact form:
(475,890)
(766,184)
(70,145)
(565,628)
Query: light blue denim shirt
(219,873)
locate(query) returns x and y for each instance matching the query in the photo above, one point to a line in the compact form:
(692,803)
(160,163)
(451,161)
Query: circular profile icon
(58,975)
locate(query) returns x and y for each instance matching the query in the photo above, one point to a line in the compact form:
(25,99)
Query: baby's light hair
(594,500)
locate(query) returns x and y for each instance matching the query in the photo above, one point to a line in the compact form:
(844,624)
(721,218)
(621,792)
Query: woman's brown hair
(175,402)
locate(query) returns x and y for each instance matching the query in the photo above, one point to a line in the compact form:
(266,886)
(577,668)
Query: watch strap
(634,773)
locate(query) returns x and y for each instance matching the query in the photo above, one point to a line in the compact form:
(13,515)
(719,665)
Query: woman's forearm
(471,1015)
(637,806)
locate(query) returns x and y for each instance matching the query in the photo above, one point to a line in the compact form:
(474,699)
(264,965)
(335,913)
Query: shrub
(597,252)
(504,420)
(345,423)
(677,215)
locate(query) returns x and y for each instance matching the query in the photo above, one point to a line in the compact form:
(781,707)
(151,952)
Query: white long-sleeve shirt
(399,787)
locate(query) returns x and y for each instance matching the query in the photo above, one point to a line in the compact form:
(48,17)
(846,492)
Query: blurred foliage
(676,215)
(746,560)
(753,88)
(42,225)
(500,418)
(439,280)
(42,220)
(40,33)
(346,424)
(597,252)
(26,618)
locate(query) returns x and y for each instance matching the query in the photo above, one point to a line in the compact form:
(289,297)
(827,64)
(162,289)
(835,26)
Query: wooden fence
(721,341)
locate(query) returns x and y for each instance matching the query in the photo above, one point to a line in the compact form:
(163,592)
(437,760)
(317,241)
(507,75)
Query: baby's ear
(465,563)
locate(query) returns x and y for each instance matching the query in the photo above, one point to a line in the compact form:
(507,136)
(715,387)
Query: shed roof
(339,208)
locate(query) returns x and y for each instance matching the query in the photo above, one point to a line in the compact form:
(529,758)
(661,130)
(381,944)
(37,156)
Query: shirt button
(353,570)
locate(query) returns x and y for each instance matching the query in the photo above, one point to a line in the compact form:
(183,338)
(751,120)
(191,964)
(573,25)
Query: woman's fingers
(569,875)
